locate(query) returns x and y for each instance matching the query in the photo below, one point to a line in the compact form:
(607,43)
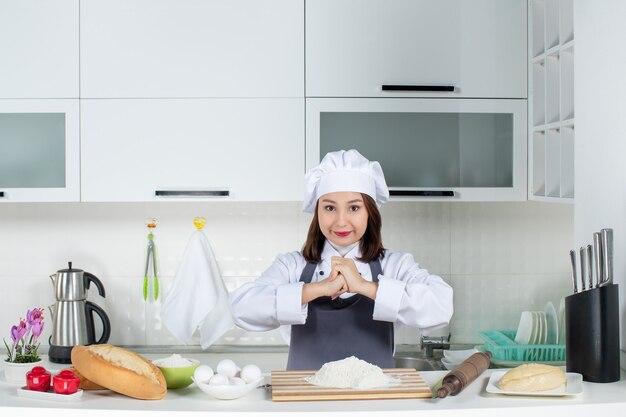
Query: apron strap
(376,269)
(307,272)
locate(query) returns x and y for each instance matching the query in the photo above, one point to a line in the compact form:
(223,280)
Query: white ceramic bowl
(449,364)
(228,392)
(458,356)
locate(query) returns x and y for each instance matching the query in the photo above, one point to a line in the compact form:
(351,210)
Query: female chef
(341,295)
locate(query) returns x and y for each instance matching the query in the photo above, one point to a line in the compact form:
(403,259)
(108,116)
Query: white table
(597,400)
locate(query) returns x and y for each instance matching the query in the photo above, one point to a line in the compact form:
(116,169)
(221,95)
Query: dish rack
(501,344)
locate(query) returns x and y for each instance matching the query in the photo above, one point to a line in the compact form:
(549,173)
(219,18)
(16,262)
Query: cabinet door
(354,47)
(430,149)
(192,48)
(249,149)
(39,49)
(39,150)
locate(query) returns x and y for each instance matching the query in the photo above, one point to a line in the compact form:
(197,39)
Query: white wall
(501,258)
(600,102)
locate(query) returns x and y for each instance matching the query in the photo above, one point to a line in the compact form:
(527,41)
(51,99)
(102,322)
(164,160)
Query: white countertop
(604,399)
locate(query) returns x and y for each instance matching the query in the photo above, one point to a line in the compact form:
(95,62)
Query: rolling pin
(465,374)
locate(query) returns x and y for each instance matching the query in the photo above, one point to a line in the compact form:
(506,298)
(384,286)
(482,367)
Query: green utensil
(151,259)
(155,285)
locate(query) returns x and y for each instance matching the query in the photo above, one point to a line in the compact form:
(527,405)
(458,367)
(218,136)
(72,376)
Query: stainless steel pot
(72,315)
(72,284)
(73,324)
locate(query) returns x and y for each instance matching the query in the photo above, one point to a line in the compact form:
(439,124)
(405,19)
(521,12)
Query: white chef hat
(345,171)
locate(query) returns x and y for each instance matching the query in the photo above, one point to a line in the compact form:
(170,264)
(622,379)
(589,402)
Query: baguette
(85,384)
(120,370)
(532,377)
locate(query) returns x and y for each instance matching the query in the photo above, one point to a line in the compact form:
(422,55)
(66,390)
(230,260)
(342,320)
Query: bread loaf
(532,377)
(85,384)
(120,370)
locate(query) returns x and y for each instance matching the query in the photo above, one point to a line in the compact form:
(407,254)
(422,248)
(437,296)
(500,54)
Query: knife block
(592,334)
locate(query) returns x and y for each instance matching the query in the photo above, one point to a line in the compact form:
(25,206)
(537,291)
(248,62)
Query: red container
(65,382)
(38,379)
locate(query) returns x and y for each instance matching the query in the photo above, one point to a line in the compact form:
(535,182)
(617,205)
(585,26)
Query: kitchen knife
(589,267)
(607,244)
(572,257)
(583,267)
(598,255)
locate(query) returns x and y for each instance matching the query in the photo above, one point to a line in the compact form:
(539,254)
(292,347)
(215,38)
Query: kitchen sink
(418,362)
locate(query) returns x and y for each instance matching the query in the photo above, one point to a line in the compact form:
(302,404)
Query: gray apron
(337,329)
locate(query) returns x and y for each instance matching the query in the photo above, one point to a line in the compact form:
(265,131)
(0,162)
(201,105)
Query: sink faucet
(427,344)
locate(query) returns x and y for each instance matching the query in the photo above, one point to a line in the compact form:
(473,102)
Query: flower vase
(15,373)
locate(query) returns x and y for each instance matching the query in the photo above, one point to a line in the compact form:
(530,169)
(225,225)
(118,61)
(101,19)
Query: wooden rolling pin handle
(465,374)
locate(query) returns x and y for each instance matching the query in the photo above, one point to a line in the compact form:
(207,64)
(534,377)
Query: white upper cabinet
(430,149)
(205,149)
(192,48)
(39,150)
(354,47)
(38,49)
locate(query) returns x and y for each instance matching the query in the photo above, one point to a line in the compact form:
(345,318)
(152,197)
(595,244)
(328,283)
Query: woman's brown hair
(371,243)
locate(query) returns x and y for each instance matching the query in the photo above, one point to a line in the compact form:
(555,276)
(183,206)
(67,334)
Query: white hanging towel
(198,297)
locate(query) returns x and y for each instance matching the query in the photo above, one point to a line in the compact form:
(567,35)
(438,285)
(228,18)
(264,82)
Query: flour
(350,373)
(174,361)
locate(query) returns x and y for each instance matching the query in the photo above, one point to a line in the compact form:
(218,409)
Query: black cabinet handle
(420,193)
(427,88)
(1,194)
(192,193)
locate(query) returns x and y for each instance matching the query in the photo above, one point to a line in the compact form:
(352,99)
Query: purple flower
(35,322)
(34,316)
(37,329)
(17,332)
(25,346)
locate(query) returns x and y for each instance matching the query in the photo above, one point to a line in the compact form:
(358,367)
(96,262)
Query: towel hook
(199,222)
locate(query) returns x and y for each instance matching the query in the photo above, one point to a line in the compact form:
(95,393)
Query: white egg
(219,379)
(227,368)
(203,373)
(237,381)
(250,373)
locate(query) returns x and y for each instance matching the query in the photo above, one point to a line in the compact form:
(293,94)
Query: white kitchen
(127,127)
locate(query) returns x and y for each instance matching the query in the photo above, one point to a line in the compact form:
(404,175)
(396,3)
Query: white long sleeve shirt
(406,293)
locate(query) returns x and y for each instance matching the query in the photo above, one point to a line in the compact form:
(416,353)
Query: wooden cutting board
(291,386)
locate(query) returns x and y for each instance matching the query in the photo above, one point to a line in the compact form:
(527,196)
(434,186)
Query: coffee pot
(72,315)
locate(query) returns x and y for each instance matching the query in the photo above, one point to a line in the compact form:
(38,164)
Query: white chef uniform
(406,293)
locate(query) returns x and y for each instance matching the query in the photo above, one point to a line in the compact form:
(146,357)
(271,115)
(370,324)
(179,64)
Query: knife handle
(598,254)
(607,244)
(583,267)
(572,257)
(589,266)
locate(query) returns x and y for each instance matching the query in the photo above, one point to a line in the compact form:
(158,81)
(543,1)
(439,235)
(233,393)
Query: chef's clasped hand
(345,269)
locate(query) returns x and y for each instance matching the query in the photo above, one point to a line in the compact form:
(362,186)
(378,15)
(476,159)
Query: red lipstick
(342,234)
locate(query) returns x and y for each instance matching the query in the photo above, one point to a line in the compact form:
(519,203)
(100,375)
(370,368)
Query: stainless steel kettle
(72,284)
(72,315)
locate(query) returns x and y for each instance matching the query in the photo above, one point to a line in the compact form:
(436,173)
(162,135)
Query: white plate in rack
(561,340)
(574,386)
(524,332)
(553,324)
